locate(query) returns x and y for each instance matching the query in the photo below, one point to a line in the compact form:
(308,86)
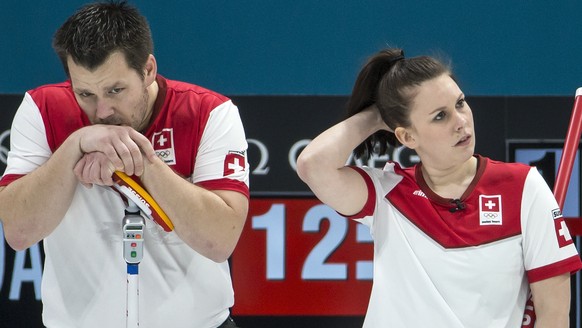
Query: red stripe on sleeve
(571,264)
(226,184)
(368,208)
(9,178)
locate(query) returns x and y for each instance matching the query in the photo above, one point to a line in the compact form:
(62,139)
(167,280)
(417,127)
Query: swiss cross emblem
(490,210)
(562,232)
(234,162)
(163,143)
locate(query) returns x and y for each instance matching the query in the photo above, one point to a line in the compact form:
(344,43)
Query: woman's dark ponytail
(365,94)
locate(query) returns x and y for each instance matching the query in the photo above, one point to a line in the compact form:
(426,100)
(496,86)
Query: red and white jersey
(200,135)
(438,264)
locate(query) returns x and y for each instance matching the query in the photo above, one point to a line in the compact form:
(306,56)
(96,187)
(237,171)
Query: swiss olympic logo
(490,212)
(163,142)
(4,146)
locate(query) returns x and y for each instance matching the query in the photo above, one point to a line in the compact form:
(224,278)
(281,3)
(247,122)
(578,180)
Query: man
(186,145)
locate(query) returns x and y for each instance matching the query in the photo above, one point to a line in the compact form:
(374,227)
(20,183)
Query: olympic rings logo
(4,149)
(490,215)
(163,153)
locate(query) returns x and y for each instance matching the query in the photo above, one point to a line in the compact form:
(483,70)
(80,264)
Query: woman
(459,240)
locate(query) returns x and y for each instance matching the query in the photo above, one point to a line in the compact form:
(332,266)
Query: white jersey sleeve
(29,148)
(223,147)
(379,183)
(546,240)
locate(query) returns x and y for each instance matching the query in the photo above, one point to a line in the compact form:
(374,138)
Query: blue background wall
(316,47)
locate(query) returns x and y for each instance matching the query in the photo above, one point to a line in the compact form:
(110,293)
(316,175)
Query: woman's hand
(376,118)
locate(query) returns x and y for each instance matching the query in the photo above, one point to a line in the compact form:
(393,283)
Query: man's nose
(104,109)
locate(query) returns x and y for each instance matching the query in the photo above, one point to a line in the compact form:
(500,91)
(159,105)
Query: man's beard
(138,118)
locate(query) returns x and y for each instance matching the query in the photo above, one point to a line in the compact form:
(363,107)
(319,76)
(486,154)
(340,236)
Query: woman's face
(441,131)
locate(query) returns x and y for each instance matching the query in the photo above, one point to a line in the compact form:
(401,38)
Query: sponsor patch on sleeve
(562,232)
(234,162)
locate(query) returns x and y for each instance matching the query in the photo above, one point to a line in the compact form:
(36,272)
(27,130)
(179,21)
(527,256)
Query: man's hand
(94,168)
(124,147)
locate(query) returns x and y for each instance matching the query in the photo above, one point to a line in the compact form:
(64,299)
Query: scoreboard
(299,257)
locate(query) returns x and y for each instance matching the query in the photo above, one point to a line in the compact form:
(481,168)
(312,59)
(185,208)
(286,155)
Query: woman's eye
(440,116)
(116,90)
(461,103)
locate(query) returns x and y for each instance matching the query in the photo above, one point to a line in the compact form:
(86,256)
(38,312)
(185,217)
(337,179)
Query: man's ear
(405,137)
(150,70)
